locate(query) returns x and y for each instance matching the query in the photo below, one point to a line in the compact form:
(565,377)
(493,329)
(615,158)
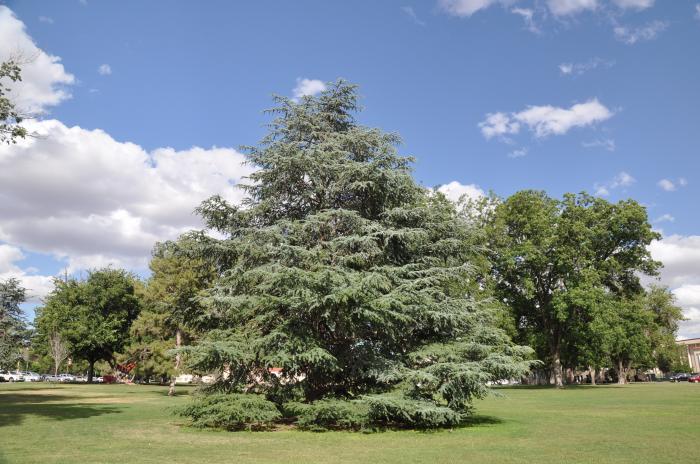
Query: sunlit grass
(41,423)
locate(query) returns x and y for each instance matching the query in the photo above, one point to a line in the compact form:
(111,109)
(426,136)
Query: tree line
(342,294)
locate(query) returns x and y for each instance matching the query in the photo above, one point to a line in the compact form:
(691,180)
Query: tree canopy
(93,315)
(12,322)
(10,116)
(558,263)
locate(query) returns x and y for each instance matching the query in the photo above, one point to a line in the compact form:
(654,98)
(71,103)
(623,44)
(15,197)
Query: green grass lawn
(46,423)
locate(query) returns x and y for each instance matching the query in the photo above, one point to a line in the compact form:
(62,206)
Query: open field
(116,423)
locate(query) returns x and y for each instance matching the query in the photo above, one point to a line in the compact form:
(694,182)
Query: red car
(694,378)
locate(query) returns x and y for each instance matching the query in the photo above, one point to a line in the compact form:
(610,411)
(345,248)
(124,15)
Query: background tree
(350,278)
(173,312)
(12,323)
(666,315)
(57,349)
(93,315)
(552,259)
(10,117)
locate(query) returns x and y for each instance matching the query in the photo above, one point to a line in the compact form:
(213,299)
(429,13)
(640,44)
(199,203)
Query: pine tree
(345,274)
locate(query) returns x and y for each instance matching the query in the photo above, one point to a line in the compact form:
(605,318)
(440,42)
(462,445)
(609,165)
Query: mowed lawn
(44,423)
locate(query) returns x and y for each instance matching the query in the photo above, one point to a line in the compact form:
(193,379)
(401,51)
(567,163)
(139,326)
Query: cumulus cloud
(545,120)
(104,70)
(680,256)
(633,35)
(90,200)
(44,79)
(38,286)
(306,87)
(455,191)
(499,124)
(622,179)
(571,7)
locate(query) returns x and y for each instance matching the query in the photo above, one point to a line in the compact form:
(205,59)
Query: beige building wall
(692,351)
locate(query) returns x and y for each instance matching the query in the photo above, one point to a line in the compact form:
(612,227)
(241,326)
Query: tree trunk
(621,373)
(593,372)
(178,360)
(55,368)
(557,373)
(91,371)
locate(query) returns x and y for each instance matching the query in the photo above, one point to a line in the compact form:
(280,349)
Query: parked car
(32,376)
(695,378)
(11,376)
(682,377)
(66,378)
(60,378)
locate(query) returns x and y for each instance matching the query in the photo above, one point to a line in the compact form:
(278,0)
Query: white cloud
(607,144)
(498,124)
(104,70)
(623,179)
(306,87)
(697,11)
(519,153)
(634,4)
(411,13)
(43,77)
(680,256)
(37,286)
(631,36)
(665,218)
(576,69)
(570,7)
(46,19)
(468,7)
(545,120)
(454,191)
(90,200)
(667,185)
(528,16)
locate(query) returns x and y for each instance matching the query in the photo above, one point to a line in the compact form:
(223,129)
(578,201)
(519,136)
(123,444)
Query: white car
(66,378)
(31,376)
(11,376)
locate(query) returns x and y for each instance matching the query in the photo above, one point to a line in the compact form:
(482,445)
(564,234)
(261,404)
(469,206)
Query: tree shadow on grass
(588,387)
(14,408)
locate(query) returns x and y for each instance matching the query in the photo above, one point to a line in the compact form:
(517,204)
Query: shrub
(231,411)
(329,414)
(390,410)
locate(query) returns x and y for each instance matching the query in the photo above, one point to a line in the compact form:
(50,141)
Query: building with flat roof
(692,350)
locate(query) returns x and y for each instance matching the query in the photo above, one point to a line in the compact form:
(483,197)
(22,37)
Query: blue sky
(560,95)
